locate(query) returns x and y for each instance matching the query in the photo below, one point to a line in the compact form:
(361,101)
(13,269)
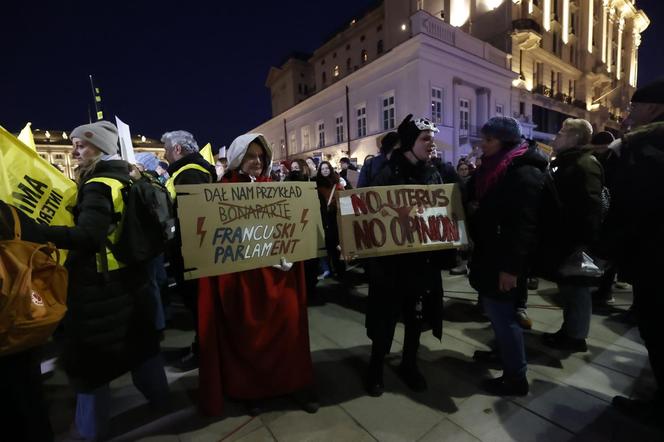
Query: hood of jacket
(652,134)
(239,148)
(193,158)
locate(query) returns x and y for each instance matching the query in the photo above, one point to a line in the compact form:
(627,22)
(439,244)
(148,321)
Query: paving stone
(329,423)
(448,431)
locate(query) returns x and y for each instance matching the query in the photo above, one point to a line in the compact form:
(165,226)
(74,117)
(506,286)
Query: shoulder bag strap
(17,223)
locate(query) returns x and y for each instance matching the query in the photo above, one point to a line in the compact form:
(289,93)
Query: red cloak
(254,336)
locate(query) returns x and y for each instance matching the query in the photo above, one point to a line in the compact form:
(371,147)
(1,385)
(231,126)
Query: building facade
(434,70)
(458,62)
(574,57)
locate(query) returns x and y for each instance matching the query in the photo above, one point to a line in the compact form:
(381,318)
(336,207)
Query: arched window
(324,78)
(364,57)
(379,46)
(348,65)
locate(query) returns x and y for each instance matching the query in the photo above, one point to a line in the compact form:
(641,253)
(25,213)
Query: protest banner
(227,228)
(27,137)
(352,176)
(33,185)
(206,152)
(126,146)
(391,220)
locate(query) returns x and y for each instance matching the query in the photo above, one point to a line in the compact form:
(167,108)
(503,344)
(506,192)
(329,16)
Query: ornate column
(636,42)
(546,15)
(609,40)
(621,26)
(605,10)
(565,21)
(591,24)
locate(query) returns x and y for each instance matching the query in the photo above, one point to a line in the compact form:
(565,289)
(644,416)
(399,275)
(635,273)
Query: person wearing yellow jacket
(108,328)
(186,166)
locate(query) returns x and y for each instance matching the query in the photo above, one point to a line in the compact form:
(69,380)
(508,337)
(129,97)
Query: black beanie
(389,142)
(650,93)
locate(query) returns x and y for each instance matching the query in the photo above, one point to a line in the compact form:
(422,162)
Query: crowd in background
(529,216)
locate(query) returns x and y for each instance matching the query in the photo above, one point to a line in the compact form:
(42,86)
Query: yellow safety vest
(118,208)
(170,184)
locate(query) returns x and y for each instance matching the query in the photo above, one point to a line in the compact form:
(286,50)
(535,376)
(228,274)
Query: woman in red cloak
(254,337)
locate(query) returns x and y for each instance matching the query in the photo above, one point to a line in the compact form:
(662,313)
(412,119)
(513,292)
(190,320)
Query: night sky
(172,65)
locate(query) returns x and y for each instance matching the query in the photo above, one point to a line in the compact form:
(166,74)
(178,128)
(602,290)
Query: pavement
(569,399)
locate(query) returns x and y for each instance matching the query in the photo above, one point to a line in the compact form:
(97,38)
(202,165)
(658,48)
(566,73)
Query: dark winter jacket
(109,323)
(370,169)
(446,171)
(634,226)
(503,224)
(579,179)
(398,282)
(189,176)
(193,176)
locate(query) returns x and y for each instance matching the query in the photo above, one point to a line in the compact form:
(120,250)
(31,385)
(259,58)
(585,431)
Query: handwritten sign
(390,220)
(227,228)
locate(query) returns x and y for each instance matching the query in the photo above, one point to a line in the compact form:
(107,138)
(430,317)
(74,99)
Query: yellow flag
(33,185)
(27,138)
(206,152)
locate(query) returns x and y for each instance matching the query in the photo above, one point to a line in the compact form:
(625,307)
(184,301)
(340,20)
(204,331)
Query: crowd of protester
(251,341)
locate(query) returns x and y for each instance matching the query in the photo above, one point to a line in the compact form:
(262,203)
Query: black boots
(408,371)
(561,341)
(504,386)
(374,380)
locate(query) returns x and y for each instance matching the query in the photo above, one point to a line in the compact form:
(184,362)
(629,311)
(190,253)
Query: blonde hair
(581,128)
(85,169)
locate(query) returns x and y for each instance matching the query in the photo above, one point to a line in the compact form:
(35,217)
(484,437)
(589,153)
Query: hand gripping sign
(227,228)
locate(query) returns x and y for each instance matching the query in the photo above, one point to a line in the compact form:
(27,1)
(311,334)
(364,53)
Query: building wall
(407,73)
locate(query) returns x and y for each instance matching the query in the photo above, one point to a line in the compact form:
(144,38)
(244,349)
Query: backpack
(147,224)
(33,292)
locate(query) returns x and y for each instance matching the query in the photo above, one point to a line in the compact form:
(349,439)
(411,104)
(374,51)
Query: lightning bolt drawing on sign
(304,219)
(199,229)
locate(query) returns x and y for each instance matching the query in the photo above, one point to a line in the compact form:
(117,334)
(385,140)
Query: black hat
(389,142)
(410,129)
(650,93)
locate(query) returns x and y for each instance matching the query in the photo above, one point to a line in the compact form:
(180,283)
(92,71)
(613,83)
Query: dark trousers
(189,292)
(649,302)
(23,414)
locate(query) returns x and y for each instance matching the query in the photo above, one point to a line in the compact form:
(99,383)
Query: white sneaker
(324,275)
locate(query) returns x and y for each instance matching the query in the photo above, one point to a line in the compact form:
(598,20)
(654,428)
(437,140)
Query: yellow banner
(206,152)
(27,138)
(33,185)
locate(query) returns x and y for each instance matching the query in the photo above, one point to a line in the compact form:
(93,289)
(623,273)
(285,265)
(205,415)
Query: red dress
(253,332)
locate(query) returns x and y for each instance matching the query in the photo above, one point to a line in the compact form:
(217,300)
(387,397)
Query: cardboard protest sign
(352,176)
(227,228)
(390,220)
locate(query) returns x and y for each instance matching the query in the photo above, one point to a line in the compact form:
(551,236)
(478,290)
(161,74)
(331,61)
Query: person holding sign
(407,286)
(109,326)
(254,337)
(504,195)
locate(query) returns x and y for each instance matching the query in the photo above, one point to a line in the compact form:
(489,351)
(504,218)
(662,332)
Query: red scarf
(494,167)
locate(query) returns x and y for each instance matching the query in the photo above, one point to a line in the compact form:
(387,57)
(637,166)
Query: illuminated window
(364,56)
(339,126)
(388,112)
(361,121)
(436,105)
(336,70)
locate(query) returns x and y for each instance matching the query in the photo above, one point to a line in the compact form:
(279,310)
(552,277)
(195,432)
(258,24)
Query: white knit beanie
(102,134)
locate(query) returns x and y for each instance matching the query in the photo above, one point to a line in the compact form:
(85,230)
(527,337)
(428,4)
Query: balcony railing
(526,24)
